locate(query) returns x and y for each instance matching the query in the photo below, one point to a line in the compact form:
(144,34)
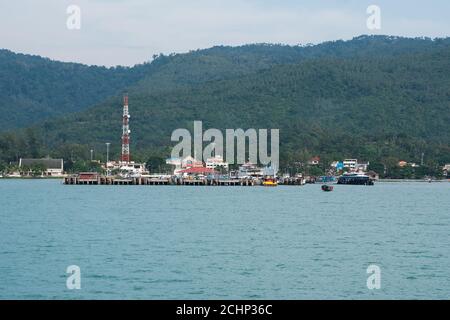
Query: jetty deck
(94,179)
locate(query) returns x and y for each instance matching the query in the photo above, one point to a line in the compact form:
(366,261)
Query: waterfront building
(250,170)
(176,162)
(446,170)
(216,162)
(181,164)
(132,169)
(197,172)
(190,162)
(111,165)
(51,167)
(362,166)
(350,163)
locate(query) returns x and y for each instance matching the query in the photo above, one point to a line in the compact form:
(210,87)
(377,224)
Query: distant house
(197,171)
(314,161)
(250,170)
(186,163)
(446,170)
(52,167)
(190,162)
(402,164)
(362,166)
(350,163)
(217,161)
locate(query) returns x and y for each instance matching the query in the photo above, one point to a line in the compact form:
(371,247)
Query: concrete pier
(96,179)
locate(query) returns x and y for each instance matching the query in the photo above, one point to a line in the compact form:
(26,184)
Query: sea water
(180,242)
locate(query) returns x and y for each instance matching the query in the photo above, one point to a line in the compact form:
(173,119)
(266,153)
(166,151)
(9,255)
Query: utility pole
(107,157)
(421,161)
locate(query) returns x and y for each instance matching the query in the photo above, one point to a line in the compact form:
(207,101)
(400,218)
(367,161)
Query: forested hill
(388,99)
(34,88)
(371,108)
(224,62)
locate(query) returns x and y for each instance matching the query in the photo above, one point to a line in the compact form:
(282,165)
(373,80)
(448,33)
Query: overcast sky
(126,32)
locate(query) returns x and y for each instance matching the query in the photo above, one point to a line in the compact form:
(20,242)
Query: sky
(128,32)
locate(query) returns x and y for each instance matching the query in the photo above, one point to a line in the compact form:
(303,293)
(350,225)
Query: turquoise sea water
(168,242)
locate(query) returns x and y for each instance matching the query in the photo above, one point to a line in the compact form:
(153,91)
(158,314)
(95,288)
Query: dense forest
(33,88)
(380,99)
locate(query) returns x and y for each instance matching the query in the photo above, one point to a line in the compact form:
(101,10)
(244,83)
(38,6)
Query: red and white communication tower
(126,132)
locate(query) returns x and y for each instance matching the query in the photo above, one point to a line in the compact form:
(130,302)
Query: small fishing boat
(327,188)
(270,182)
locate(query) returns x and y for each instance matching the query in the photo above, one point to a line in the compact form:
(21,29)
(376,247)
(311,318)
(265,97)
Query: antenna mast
(126,132)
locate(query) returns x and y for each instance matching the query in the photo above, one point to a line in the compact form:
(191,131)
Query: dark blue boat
(355,179)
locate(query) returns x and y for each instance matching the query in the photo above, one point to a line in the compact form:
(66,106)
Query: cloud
(128,32)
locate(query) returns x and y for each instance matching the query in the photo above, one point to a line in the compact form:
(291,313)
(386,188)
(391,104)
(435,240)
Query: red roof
(198,170)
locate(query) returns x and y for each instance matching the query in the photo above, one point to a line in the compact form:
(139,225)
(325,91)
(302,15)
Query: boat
(327,188)
(327,179)
(355,179)
(270,182)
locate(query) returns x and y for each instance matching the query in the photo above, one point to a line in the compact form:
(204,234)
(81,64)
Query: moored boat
(270,182)
(355,179)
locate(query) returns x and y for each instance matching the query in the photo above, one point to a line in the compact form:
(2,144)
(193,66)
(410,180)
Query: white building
(132,169)
(363,166)
(216,162)
(182,164)
(112,165)
(446,170)
(52,167)
(190,162)
(248,170)
(350,163)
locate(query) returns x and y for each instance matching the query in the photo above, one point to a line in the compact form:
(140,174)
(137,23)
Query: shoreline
(379,180)
(32,178)
(411,180)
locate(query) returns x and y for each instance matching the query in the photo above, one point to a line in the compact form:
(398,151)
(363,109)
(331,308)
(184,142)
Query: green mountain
(375,98)
(33,88)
